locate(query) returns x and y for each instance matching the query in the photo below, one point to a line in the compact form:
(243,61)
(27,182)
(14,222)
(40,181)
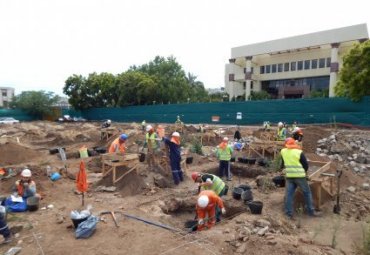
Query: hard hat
(195,176)
(109,121)
(123,137)
(225,139)
(148,128)
(26,173)
(203,201)
(280,124)
(291,144)
(296,129)
(176,134)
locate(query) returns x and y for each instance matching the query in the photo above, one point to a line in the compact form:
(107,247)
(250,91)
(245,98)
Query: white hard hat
(176,134)
(203,201)
(109,121)
(280,124)
(226,139)
(148,128)
(26,173)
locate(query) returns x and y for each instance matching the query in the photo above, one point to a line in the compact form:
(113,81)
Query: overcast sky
(42,42)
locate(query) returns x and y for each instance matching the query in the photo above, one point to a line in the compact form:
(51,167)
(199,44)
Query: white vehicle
(8,120)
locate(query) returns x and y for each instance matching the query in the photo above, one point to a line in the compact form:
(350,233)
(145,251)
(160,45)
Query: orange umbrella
(81,181)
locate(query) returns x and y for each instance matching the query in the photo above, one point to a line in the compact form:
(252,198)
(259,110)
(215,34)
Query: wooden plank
(320,170)
(120,178)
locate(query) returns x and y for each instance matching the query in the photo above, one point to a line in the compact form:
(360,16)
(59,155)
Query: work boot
(8,239)
(316,214)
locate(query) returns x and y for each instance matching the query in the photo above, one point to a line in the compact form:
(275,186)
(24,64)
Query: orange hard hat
(291,144)
(195,176)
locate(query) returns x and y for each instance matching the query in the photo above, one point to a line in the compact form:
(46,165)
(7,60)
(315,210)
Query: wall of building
(6,96)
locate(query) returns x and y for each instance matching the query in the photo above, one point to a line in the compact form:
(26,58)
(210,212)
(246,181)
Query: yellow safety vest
(293,168)
(217,186)
(224,154)
(150,140)
(281,134)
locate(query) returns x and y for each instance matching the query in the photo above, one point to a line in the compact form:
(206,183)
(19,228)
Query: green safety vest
(281,133)
(150,140)
(217,186)
(224,154)
(293,168)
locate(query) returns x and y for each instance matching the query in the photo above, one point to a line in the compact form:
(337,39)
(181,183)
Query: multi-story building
(6,96)
(291,67)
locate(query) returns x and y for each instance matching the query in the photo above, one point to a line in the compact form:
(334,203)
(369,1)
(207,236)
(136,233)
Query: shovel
(336,208)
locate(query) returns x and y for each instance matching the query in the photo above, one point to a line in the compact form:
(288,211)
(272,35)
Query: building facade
(6,96)
(292,67)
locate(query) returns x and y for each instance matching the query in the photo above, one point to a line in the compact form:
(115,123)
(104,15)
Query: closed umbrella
(81,181)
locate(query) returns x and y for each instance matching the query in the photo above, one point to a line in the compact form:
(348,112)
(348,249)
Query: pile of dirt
(311,135)
(11,153)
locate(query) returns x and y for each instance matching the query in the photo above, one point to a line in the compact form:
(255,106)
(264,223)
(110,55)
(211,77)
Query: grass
(336,227)
(364,248)
(275,165)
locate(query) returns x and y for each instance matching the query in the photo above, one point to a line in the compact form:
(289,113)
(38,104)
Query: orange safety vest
(20,188)
(213,200)
(117,147)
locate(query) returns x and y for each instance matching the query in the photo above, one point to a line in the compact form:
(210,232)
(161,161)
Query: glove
(25,184)
(200,221)
(223,211)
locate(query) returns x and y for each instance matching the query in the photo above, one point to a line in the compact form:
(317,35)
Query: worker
(209,182)
(224,152)
(175,156)
(237,135)
(178,120)
(207,203)
(25,187)
(295,165)
(266,125)
(4,229)
(143,124)
(281,132)
(151,142)
(294,125)
(118,145)
(106,124)
(297,134)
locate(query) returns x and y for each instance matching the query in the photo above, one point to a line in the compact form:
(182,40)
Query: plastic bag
(87,228)
(76,215)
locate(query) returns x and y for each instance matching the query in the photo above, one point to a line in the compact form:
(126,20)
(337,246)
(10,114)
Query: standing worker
(297,134)
(143,124)
(175,157)
(281,132)
(106,124)
(151,142)
(4,229)
(118,145)
(295,165)
(237,135)
(206,209)
(224,152)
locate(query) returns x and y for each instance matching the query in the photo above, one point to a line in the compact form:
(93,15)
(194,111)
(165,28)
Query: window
(252,69)
(251,85)
(300,65)
(293,66)
(262,69)
(307,64)
(280,68)
(244,85)
(3,92)
(286,67)
(268,69)
(273,68)
(321,62)
(328,62)
(314,63)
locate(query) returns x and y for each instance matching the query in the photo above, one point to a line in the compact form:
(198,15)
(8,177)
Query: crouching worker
(207,203)
(118,145)
(4,229)
(209,182)
(175,157)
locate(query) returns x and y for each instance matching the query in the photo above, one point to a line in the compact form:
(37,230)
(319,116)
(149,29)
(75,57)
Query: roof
(344,34)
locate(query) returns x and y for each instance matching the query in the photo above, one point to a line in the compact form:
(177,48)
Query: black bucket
(226,190)
(55,150)
(232,159)
(279,181)
(251,161)
(240,160)
(245,187)
(100,150)
(247,195)
(255,207)
(142,157)
(237,193)
(189,160)
(77,222)
(262,162)
(33,203)
(191,225)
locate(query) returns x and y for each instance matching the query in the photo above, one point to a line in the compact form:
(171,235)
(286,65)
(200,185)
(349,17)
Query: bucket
(279,181)
(83,152)
(142,157)
(232,159)
(262,162)
(189,160)
(255,207)
(100,150)
(191,225)
(226,190)
(237,193)
(245,187)
(77,222)
(251,161)
(247,195)
(33,203)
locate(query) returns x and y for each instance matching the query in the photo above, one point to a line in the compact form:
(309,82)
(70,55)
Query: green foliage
(320,93)
(196,147)
(354,77)
(35,103)
(275,165)
(260,95)
(162,80)
(364,248)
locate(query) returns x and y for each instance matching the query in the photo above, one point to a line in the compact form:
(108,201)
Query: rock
(356,169)
(362,149)
(263,231)
(352,163)
(60,220)
(105,189)
(226,231)
(239,221)
(325,151)
(13,251)
(271,242)
(353,145)
(354,156)
(19,242)
(366,186)
(17,235)
(331,157)
(322,155)
(351,189)
(361,160)
(349,158)
(262,223)
(338,148)
(162,182)
(242,248)
(332,137)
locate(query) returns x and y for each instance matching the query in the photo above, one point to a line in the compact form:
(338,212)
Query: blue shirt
(175,151)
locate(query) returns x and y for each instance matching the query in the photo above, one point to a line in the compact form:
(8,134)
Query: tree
(319,93)
(260,95)
(354,77)
(36,103)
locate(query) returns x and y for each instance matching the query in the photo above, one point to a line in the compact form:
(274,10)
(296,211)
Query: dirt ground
(150,194)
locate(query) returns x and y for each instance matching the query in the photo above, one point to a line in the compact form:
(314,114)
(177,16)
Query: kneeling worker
(4,229)
(209,182)
(207,203)
(25,187)
(118,145)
